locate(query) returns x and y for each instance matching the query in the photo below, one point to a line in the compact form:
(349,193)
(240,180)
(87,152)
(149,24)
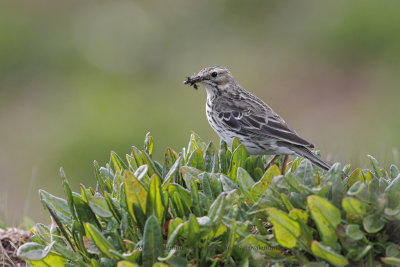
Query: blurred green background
(81,78)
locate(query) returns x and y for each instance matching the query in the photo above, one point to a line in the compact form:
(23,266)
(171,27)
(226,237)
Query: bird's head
(214,79)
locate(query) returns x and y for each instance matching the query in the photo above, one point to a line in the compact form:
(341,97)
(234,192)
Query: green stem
(370,258)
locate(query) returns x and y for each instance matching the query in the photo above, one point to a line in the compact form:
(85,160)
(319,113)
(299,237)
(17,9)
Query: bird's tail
(307,154)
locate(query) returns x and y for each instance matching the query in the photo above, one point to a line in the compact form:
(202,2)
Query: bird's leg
(270,162)
(284,164)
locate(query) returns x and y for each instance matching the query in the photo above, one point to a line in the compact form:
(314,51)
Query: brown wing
(254,117)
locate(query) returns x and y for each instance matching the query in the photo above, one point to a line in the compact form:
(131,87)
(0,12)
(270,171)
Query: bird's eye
(214,74)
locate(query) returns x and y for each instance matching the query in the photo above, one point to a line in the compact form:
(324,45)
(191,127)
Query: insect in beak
(192,81)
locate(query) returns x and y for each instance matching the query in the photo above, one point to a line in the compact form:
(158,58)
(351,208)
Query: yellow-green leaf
(152,241)
(286,229)
(299,215)
(155,203)
(326,217)
(118,163)
(196,160)
(194,231)
(391,261)
(50,260)
(239,158)
(148,143)
(99,206)
(357,175)
(256,243)
(126,264)
(136,194)
(326,253)
(352,205)
(101,242)
(261,186)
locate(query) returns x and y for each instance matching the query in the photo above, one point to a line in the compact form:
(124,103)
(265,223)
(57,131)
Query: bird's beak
(194,79)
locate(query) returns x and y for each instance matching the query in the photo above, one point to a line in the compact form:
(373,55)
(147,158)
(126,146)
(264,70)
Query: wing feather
(259,120)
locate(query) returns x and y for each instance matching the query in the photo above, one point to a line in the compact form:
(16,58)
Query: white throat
(209,89)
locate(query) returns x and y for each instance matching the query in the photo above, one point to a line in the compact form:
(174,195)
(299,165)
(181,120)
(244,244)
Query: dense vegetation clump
(206,206)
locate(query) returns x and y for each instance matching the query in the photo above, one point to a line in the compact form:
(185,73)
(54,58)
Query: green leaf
(326,217)
(217,209)
(357,175)
(34,251)
(141,172)
(188,174)
(353,231)
(171,175)
(375,165)
(172,224)
(154,204)
(194,231)
(99,206)
(232,238)
(286,202)
(299,215)
(113,207)
(258,173)
(223,159)
(391,260)
(170,157)
(125,263)
(196,160)
(235,143)
(136,193)
(195,199)
(68,193)
(326,253)
(393,192)
(101,242)
(137,154)
(260,245)
(148,144)
(152,241)
(239,158)
(119,165)
(197,142)
(357,189)
(296,183)
(262,185)
(373,223)
(131,162)
(227,183)
(394,171)
(58,206)
(152,167)
(182,192)
(392,250)
(357,253)
(368,176)
(177,207)
(211,160)
(295,164)
(353,205)
(101,180)
(174,235)
(286,229)
(305,173)
(245,181)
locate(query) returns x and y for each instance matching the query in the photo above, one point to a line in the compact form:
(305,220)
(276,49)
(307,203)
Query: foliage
(204,206)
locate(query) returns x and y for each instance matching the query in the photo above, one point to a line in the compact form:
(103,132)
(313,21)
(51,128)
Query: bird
(233,112)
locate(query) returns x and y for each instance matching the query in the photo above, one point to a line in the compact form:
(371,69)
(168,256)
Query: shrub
(204,206)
